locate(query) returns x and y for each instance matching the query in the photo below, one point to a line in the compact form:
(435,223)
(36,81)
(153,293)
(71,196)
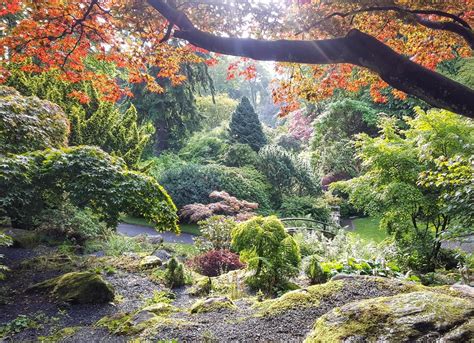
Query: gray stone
(162,255)
(155,239)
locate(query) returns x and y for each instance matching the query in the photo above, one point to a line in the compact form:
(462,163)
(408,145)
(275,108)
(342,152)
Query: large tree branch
(355,48)
(457,25)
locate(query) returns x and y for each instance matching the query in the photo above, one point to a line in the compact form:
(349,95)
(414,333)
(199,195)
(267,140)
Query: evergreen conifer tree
(245,127)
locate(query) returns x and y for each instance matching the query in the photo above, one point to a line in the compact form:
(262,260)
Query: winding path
(133,230)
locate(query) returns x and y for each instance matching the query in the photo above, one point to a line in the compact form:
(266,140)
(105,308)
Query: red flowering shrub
(216,262)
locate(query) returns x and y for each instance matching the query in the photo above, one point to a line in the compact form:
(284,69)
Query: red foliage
(229,206)
(215,262)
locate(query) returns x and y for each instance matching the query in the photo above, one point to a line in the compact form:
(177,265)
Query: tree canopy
(347,43)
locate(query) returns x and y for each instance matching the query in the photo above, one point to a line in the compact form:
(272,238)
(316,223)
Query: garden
(236,171)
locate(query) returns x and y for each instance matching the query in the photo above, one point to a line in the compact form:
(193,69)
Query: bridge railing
(296,224)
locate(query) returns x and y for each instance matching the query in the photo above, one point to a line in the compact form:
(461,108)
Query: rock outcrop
(77,287)
(422,316)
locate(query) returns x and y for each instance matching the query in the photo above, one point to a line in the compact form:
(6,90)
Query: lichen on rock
(422,315)
(77,287)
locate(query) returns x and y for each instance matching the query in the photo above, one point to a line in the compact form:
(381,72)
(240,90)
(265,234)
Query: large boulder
(77,287)
(422,316)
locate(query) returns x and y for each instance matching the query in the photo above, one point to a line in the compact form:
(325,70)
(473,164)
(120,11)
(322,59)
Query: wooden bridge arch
(293,225)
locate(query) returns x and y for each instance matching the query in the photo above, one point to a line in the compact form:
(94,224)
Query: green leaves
(27,123)
(268,250)
(89,177)
(420,180)
(245,127)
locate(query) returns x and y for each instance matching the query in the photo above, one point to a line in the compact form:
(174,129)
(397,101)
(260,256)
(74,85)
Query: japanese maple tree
(345,44)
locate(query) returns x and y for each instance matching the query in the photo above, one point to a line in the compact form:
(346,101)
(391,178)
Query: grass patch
(368,229)
(192,229)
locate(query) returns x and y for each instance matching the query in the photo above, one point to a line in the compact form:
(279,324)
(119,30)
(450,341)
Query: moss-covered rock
(306,297)
(150,262)
(77,287)
(150,317)
(159,308)
(202,287)
(425,316)
(213,304)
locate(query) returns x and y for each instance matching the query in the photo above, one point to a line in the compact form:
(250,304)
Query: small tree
(174,274)
(269,250)
(405,181)
(245,127)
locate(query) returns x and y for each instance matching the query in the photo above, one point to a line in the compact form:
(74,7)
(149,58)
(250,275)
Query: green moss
(307,297)
(202,287)
(160,308)
(116,324)
(149,318)
(53,261)
(59,335)
(398,318)
(213,304)
(77,287)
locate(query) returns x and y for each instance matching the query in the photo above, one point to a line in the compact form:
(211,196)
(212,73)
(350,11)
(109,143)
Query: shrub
(28,123)
(174,274)
(229,206)
(4,241)
(192,183)
(158,165)
(294,206)
(87,177)
(216,262)
(343,246)
(287,173)
(314,271)
(203,148)
(360,267)
(240,155)
(215,233)
(290,142)
(71,223)
(269,251)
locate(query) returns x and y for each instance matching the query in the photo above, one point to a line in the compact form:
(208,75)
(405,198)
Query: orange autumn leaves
(82,39)
(66,35)
(401,32)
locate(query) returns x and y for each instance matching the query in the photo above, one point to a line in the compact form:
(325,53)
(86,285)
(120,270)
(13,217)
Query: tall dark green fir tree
(245,127)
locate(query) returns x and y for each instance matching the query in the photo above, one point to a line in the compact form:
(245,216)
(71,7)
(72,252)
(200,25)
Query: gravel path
(133,230)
